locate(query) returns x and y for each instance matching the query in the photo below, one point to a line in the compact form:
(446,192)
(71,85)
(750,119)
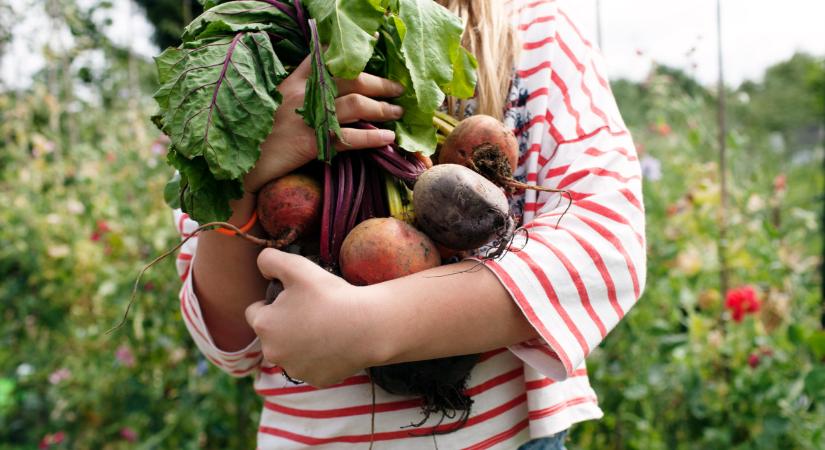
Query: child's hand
(291,144)
(317,329)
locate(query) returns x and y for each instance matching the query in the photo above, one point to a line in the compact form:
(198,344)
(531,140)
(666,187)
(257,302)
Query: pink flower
(780,183)
(95,236)
(753,360)
(124,356)
(128,434)
(52,439)
(59,375)
(663,129)
(742,301)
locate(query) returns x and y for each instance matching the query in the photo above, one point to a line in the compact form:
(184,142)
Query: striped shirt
(573,282)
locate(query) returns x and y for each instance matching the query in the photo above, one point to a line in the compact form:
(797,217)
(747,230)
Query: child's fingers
(369,85)
(253,311)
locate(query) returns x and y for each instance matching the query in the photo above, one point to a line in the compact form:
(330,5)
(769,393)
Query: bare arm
(227,280)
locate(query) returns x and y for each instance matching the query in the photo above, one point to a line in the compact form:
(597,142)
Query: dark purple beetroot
(460,209)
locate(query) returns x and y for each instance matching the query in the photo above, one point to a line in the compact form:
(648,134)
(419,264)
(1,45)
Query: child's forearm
(226,280)
(449,304)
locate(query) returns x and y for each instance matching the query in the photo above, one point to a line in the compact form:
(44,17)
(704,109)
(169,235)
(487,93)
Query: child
(535,314)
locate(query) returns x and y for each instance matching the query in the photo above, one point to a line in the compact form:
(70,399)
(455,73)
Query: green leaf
(430,46)
(319,100)
(428,64)
(219,100)
(199,194)
(815,383)
(816,341)
(166,63)
(414,132)
(464,80)
(171,192)
(348,27)
(234,17)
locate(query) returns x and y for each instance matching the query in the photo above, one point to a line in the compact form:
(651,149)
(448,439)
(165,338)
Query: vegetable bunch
(218,93)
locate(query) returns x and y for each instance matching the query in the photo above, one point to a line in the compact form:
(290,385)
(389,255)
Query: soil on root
(492,164)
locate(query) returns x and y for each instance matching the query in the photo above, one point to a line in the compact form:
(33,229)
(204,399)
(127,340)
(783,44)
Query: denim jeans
(554,442)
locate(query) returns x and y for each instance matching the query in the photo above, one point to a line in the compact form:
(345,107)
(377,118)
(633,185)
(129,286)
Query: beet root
(460,209)
(441,383)
(382,249)
(290,207)
(485,145)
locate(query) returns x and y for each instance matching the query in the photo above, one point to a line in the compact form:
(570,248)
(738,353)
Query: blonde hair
(489,35)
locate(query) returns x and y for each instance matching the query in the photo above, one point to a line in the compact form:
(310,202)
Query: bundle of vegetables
(218,97)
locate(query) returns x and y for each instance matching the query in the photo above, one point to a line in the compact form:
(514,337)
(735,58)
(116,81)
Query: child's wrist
(242,209)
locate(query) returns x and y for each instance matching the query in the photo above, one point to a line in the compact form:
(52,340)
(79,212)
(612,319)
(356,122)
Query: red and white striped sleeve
(239,363)
(575,274)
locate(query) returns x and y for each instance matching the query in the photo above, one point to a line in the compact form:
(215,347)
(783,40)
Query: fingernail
(388,136)
(396,111)
(398,88)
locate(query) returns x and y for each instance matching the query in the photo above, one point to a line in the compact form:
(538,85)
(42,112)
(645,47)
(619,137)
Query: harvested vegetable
(385,248)
(483,144)
(460,209)
(290,207)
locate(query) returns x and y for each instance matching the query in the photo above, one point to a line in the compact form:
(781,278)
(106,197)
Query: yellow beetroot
(382,249)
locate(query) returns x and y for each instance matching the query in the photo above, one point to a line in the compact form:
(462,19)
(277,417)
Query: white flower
(24,370)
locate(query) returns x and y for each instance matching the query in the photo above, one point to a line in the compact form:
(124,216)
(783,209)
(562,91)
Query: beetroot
(483,144)
(382,249)
(290,207)
(460,209)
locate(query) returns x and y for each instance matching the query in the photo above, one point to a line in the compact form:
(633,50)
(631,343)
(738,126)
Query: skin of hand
(226,277)
(292,143)
(321,329)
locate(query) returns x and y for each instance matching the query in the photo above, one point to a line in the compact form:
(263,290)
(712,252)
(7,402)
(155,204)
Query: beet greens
(218,89)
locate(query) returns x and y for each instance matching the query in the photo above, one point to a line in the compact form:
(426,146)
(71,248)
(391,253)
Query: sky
(756,34)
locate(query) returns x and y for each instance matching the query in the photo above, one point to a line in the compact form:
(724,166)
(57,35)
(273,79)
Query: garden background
(81,178)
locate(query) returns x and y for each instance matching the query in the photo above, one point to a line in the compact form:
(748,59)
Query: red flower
(742,301)
(663,129)
(753,360)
